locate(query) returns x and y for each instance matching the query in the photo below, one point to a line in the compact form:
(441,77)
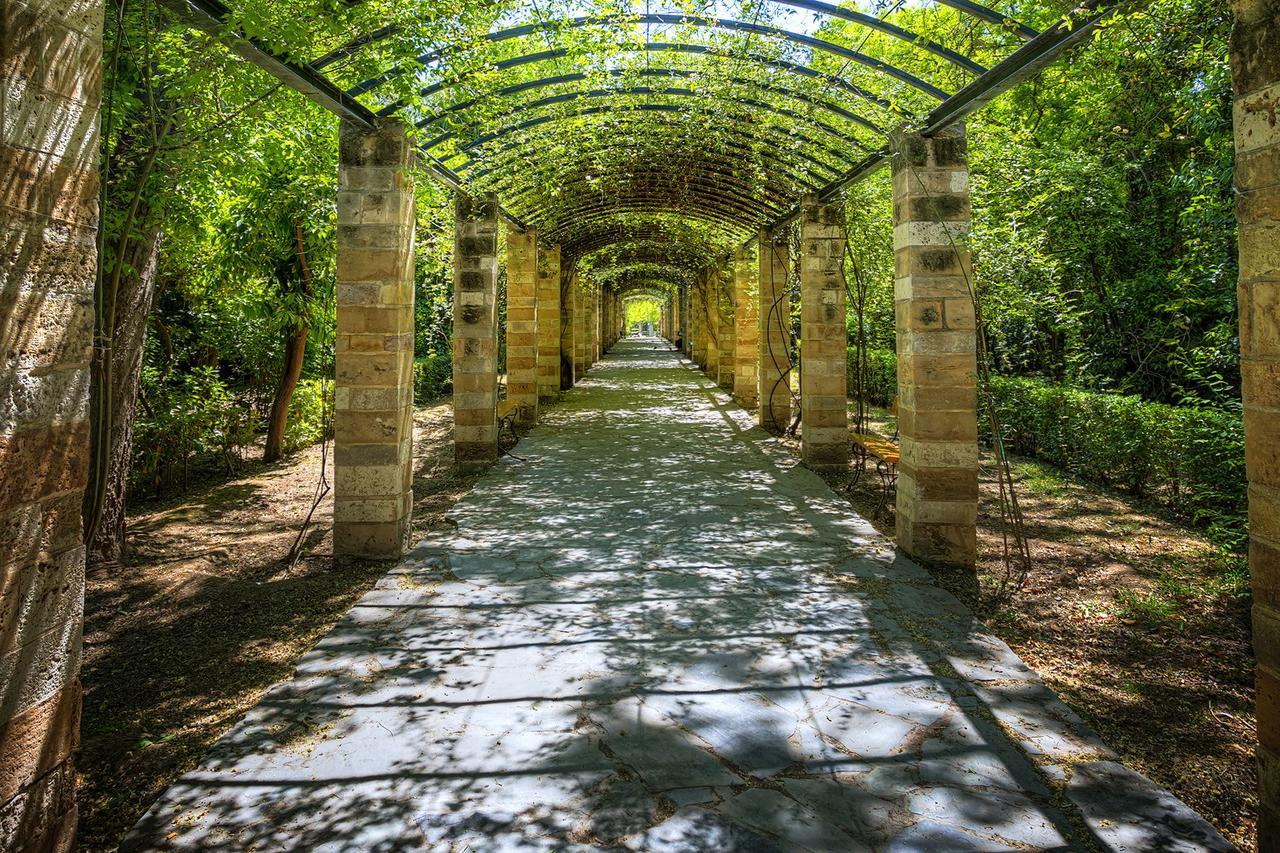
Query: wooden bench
(886,453)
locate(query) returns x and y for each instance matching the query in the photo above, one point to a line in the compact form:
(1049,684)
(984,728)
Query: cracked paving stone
(654,631)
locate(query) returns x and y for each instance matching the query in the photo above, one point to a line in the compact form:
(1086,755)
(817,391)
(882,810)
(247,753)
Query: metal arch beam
(668,47)
(736,211)
(692,190)
(562,233)
(213,17)
(662,108)
(681,73)
(655,174)
(665,91)
(786,168)
(618,234)
(974,9)
(783,171)
(699,21)
(733,218)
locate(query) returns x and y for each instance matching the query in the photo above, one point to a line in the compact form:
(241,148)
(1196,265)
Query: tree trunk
(121,374)
(295,349)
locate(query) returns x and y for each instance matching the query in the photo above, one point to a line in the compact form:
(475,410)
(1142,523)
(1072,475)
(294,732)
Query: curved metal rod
(668,91)
(975,9)
(629,234)
(669,47)
(699,21)
(659,171)
(681,73)
(731,217)
(661,108)
(742,208)
(783,169)
(688,189)
(732,228)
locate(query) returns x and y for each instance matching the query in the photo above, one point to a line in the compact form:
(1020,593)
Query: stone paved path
(655,632)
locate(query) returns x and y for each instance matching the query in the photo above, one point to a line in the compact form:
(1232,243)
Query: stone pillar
(582,330)
(568,328)
(686,322)
(475,331)
(597,329)
(937,369)
(373,396)
(697,342)
(746,330)
(548,324)
(522,323)
(677,317)
(824,399)
(722,283)
(50,61)
(774,359)
(1255,67)
(710,322)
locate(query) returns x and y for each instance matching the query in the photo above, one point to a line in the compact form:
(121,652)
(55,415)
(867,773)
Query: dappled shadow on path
(655,632)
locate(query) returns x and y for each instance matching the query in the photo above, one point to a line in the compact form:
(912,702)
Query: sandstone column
(774,360)
(710,323)
(724,314)
(548,324)
(697,344)
(522,323)
(937,370)
(746,330)
(1255,66)
(582,330)
(568,327)
(373,402)
(475,331)
(824,399)
(597,329)
(50,61)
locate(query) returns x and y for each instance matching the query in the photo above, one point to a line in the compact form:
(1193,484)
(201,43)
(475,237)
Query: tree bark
(295,350)
(122,375)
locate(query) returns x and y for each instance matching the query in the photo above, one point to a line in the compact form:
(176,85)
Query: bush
(183,417)
(880,383)
(311,401)
(1188,459)
(432,377)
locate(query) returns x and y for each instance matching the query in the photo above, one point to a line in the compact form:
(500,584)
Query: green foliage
(880,382)
(642,311)
(432,377)
(1190,459)
(310,414)
(186,418)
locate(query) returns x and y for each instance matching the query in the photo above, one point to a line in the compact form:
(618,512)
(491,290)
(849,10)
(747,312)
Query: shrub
(880,382)
(311,402)
(1187,458)
(432,377)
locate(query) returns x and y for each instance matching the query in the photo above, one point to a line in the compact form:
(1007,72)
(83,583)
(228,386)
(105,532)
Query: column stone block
(568,328)
(723,285)
(937,370)
(773,360)
(548,324)
(746,329)
(50,72)
(475,331)
(824,403)
(1255,71)
(522,323)
(373,396)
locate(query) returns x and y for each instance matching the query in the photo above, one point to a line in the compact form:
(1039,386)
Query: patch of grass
(1182,585)
(1042,480)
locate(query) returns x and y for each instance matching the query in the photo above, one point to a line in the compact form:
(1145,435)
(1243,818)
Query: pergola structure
(669,153)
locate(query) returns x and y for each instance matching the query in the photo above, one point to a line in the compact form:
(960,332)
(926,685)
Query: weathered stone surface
(373,399)
(604,639)
(824,407)
(937,376)
(774,342)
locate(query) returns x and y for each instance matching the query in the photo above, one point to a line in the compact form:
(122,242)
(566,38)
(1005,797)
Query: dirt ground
(1137,622)
(208,613)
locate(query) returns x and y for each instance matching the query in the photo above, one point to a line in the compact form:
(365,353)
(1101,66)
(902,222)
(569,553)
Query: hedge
(432,377)
(1188,459)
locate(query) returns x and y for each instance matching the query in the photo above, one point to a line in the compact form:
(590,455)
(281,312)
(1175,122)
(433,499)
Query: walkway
(654,632)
